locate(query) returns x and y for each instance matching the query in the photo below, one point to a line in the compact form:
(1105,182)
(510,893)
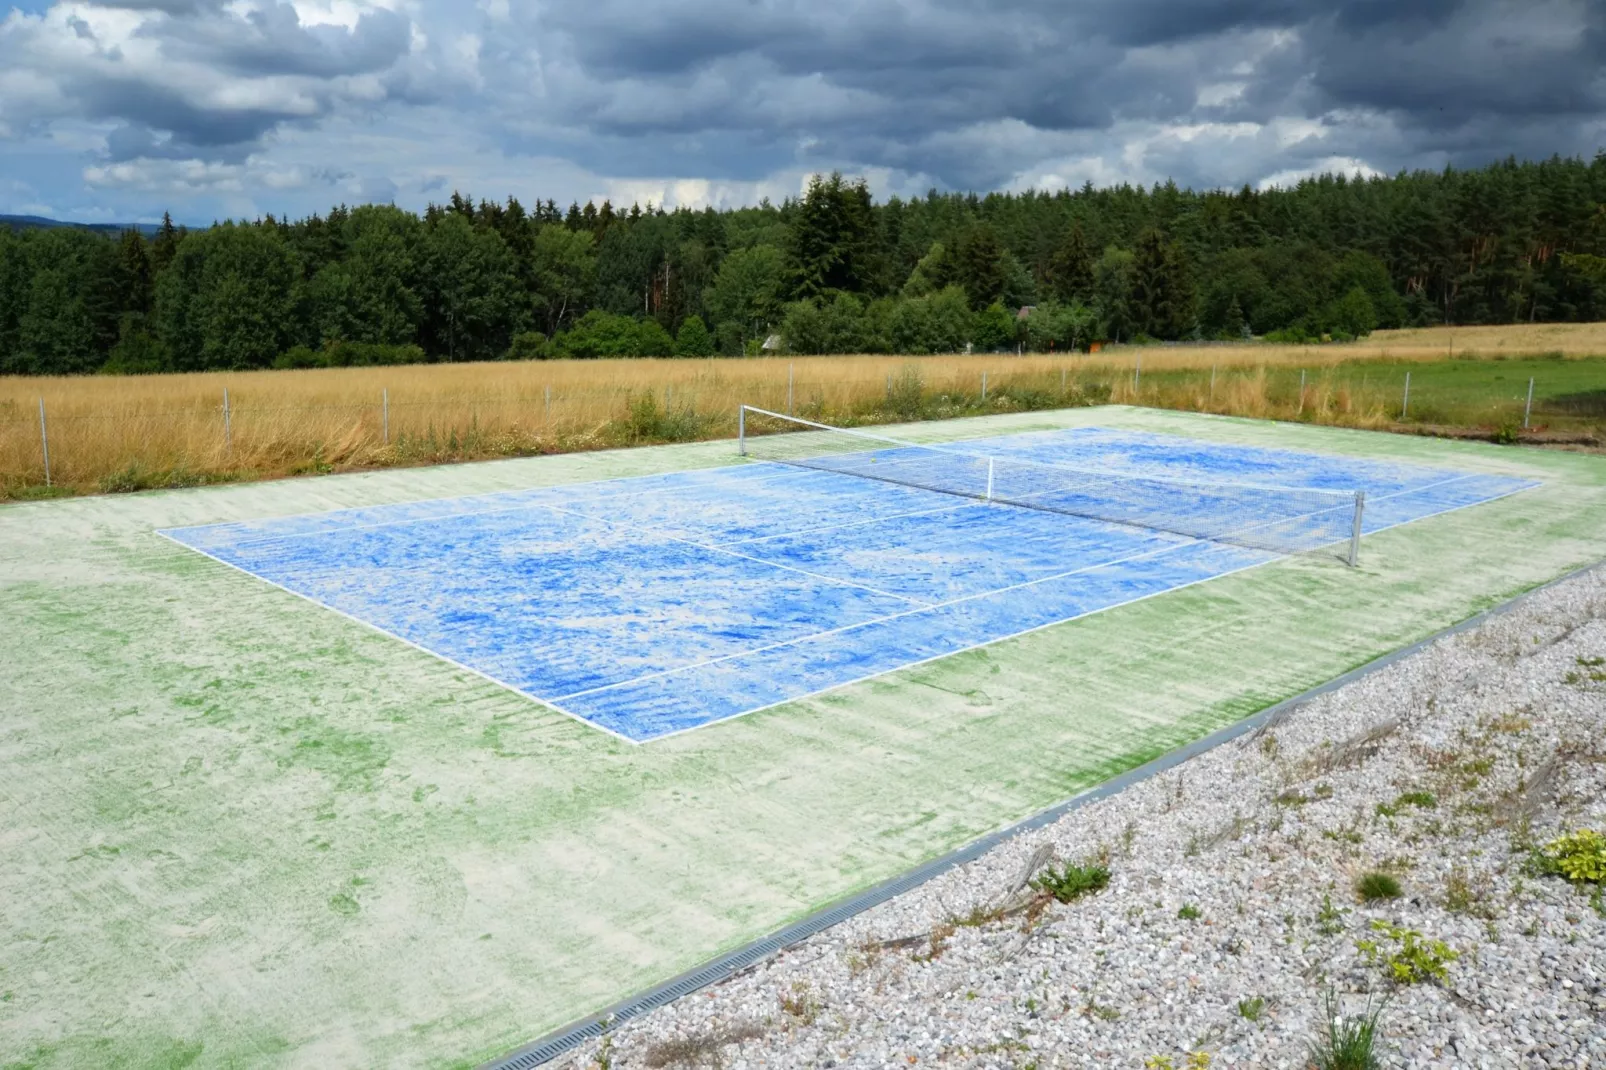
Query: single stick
(228,426)
(1062,382)
(984,386)
(44,440)
(789,370)
(546,415)
(1212,382)
(1302,390)
(1527,410)
(1137,372)
(741,431)
(1405,402)
(384,405)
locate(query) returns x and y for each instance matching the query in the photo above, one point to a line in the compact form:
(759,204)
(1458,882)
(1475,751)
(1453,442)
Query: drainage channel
(727,965)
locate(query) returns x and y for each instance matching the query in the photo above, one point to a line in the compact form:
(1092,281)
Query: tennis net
(1277,519)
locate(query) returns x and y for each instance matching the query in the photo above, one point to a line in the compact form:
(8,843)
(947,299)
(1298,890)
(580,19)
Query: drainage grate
(571,1037)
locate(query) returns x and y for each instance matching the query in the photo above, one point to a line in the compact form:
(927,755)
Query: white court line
(403,639)
(1190,541)
(896,616)
(1055,623)
(745,557)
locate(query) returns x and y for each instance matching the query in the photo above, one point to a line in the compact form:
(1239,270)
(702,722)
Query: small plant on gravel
(1189,912)
(1578,856)
(1104,1013)
(800,1003)
(1072,881)
(1252,1009)
(1412,960)
(1347,1043)
(1422,800)
(1377,885)
(1330,918)
(1159,1062)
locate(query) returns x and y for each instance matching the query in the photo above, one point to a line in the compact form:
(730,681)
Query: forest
(830,271)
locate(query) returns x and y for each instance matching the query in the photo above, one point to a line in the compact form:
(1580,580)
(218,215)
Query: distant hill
(24,222)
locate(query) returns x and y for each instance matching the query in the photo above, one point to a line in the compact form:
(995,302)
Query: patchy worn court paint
(658,604)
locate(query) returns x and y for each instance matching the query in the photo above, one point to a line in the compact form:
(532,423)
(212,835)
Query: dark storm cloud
(1473,76)
(272,40)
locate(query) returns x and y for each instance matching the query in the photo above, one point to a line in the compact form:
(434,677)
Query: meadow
(110,434)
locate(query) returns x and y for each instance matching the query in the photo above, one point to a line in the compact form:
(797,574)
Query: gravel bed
(1231,910)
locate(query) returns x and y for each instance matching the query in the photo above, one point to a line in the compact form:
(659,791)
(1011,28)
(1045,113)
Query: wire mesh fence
(82,439)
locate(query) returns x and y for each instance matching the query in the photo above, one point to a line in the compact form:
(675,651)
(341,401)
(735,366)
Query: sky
(119,110)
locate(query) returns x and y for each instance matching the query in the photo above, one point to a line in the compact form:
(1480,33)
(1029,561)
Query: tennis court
(654,605)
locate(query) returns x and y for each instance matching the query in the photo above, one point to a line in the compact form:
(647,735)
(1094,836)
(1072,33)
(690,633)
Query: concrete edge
(729,964)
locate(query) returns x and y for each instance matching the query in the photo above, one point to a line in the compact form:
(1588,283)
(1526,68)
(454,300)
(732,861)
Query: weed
(800,1003)
(1578,856)
(1159,1062)
(1189,912)
(1072,881)
(1412,959)
(1292,797)
(1330,919)
(1460,897)
(1094,1009)
(1377,885)
(1347,1043)
(1422,800)
(1252,1009)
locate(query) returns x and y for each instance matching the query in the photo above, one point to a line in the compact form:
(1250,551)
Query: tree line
(828,271)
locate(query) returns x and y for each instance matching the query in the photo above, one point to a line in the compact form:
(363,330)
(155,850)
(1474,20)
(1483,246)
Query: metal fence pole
(228,424)
(44,440)
(1212,382)
(384,405)
(1527,410)
(984,386)
(1355,532)
(1405,402)
(741,430)
(1137,371)
(546,414)
(1302,390)
(1062,382)
(889,384)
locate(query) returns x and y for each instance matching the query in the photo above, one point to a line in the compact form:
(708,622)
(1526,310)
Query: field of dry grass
(127,433)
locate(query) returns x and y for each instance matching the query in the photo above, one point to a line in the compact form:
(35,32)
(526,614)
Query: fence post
(546,413)
(228,425)
(1137,372)
(789,409)
(1212,382)
(384,404)
(984,386)
(1405,402)
(1301,390)
(1355,531)
(741,430)
(44,440)
(889,384)
(1062,382)
(1527,410)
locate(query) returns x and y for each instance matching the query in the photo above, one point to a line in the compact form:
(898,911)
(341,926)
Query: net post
(1527,410)
(741,431)
(1405,401)
(228,425)
(790,409)
(1355,530)
(44,440)
(384,412)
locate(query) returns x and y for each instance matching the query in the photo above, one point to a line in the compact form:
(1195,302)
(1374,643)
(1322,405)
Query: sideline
(727,965)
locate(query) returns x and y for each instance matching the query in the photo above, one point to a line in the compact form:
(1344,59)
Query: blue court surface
(653,605)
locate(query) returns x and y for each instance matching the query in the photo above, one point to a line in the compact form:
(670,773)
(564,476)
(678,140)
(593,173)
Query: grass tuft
(1377,885)
(1072,882)
(1347,1043)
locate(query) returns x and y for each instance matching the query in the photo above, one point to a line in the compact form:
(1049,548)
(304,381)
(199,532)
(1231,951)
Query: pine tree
(1071,267)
